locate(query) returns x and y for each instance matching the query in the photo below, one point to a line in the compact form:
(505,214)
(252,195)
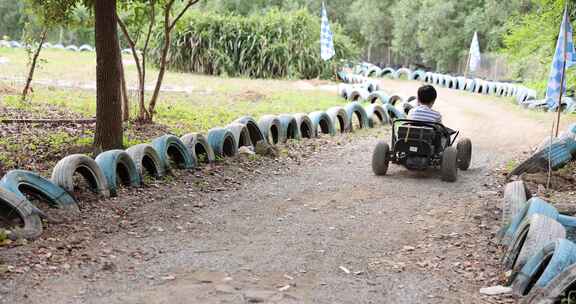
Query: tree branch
(188,5)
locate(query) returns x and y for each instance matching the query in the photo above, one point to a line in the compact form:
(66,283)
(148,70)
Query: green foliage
(274,45)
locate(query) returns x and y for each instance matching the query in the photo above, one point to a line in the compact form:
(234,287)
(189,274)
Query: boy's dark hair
(427,95)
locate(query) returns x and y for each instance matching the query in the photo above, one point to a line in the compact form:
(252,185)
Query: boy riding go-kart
(421,142)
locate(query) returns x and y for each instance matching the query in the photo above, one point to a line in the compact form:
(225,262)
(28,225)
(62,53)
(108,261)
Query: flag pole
(467,64)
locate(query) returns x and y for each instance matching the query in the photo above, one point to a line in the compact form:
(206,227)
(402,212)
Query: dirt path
(324,231)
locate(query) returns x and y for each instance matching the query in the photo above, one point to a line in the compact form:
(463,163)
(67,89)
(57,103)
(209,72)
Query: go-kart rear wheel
(464,148)
(449,166)
(380,159)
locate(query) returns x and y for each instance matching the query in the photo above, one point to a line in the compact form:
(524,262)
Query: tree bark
(33,65)
(108,96)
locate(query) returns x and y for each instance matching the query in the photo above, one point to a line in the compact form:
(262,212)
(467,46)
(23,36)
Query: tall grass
(274,45)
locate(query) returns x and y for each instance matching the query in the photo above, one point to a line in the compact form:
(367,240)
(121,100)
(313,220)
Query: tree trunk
(108,96)
(33,65)
(125,100)
(162,70)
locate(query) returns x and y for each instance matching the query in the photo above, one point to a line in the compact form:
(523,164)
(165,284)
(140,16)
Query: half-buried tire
(19,213)
(119,168)
(322,123)
(25,183)
(222,142)
(559,288)
(241,134)
(339,118)
(147,161)
(288,128)
(253,129)
(376,115)
(173,151)
(305,126)
(199,147)
(356,111)
(515,198)
(270,127)
(63,174)
(378,95)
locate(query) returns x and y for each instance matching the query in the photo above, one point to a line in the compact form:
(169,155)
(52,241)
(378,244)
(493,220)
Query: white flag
(326,40)
(475,58)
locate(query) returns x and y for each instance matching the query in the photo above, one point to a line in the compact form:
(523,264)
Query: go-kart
(419,145)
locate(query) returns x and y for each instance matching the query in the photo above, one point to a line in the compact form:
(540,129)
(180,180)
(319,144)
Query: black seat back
(415,140)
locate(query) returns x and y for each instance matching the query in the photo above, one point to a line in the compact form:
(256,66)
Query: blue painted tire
(271,128)
(376,115)
(241,134)
(14,205)
(355,109)
(171,149)
(359,94)
(545,265)
(387,72)
(288,128)
(222,142)
(378,95)
(256,134)
(515,199)
(147,160)
(198,146)
(20,182)
(322,124)
(533,234)
(556,290)
(394,113)
(417,75)
(534,205)
(305,126)
(339,118)
(118,164)
(559,154)
(63,174)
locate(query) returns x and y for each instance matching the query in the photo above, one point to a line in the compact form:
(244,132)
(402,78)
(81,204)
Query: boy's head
(427,95)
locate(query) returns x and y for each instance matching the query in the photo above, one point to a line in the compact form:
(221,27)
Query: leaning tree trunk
(33,65)
(124,90)
(108,97)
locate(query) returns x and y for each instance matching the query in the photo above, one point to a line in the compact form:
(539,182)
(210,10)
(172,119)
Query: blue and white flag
(326,38)
(475,57)
(563,58)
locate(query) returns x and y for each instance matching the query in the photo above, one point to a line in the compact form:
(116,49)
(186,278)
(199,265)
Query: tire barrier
(359,94)
(21,182)
(288,128)
(63,174)
(222,142)
(305,125)
(355,110)
(321,124)
(253,129)
(378,96)
(394,113)
(173,152)
(555,290)
(376,115)
(270,127)
(339,118)
(12,205)
(147,160)
(199,147)
(48,45)
(118,167)
(241,134)
(555,156)
(515,198)
(85,48)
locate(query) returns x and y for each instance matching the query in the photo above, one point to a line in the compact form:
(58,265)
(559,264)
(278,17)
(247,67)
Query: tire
(305,126)
(378,95)
(321,123)
(146,158)
(199,148)
(394,113)
(376,115)
(338,115)
(555,290)
(544,266)
(171,148)
(534,205)
(270,127)
(253,128)
(380,159)
(356,109)
(32,225)
(222,142)
(241,134)
(533,234)
(449,166)
(20,182)
(358,94)
(515,198)
(288,128)
(63,174)
(118,164)
(464,148)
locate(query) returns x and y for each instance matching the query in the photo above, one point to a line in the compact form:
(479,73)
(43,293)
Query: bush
(274,45)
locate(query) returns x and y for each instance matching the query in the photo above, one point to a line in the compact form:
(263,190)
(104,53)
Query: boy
(423,112)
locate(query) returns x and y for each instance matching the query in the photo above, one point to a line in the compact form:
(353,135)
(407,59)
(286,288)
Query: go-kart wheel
(449,166)
(380,159)
(464,148)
